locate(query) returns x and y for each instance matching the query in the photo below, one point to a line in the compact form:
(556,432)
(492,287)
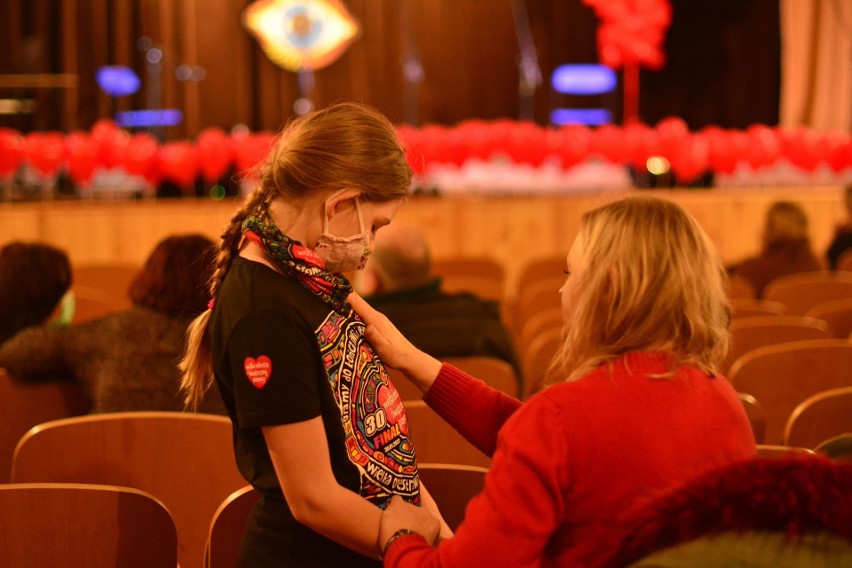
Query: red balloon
(690,158)
(608,141)
(839,151)
(724,148)
(526,144)
(45,151)
(179,163)
(215,154)
(640,143)
(11,152)
(140,157)
(251,150)
(82,152)
(111,141)
(576,141)
(803,148)
(763,146)
(671,132)
(411,140)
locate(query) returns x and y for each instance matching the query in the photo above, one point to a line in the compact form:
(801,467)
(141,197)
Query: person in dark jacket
(398,281)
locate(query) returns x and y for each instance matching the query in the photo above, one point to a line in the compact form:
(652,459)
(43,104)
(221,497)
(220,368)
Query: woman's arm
(432,507)
(393,348)
(35,353)
(471,407)
(523,504)
(300,455)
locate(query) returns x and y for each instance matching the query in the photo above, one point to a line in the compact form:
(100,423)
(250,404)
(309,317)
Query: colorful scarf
(296,260)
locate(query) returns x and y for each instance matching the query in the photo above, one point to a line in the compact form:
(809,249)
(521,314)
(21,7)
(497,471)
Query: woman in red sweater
(634,405)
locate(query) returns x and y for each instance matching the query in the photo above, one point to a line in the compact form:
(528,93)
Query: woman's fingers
(362,308)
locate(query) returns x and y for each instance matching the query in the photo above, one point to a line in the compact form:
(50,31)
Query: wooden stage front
(511,229)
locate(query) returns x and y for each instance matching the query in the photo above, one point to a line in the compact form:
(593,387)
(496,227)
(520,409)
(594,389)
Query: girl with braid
(319,430)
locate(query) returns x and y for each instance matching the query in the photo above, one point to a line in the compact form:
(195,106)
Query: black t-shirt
(280,356)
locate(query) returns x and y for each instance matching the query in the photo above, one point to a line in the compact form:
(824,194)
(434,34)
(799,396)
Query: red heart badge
(258,370)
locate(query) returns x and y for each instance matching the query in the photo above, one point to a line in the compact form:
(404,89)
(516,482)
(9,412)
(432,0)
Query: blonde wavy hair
(649,278)
(346,145)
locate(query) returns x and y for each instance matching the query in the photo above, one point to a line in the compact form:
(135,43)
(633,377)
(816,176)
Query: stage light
(142,118)
(657,165)
(583,79)
(589,116)
(118,80)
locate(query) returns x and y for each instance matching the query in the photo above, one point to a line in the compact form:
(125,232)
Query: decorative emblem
(301,34)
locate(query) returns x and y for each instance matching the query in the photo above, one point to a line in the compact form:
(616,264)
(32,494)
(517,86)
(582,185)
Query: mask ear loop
(357,208)
(360,217)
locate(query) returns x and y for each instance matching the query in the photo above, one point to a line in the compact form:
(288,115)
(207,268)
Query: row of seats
(117,449)
(103,526)
(814,421)
(185,461)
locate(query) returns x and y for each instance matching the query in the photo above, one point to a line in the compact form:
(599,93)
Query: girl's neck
(300,221)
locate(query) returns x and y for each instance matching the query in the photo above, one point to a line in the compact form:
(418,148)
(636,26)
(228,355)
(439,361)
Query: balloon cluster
(689,154)
(106,146)
(632,31)
(215,153)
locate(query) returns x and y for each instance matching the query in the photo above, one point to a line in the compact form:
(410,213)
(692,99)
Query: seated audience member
(842,234)
(635,404)
(397,280)
(128,360)
(786,247)
(35,282)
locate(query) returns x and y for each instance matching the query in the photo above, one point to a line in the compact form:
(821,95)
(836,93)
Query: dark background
(723,61)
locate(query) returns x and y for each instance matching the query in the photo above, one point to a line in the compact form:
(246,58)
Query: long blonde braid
(197,362)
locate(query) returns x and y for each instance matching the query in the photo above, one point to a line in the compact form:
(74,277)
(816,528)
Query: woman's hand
(402,515)
(393,348)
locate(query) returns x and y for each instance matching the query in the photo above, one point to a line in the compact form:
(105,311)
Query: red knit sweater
(575,455)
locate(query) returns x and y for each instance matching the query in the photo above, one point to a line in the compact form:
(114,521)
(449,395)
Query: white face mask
(343,254)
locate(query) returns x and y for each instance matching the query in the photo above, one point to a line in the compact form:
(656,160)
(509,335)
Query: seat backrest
(435,441)
(745,307)
(407,391)
(452,486)
(112,279)
(756,416)
(837,448)
(494,372)
(782,376)
(780,451)
(186,460)
(227,528)
(844,261)
(739,287)
(820,417)
(757,331)
(95,526)
(536,324)
(800,292)
(483,277)
(537,357)
(838,315)
(23,405)
(93,303)
(546,268)
(535,298)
